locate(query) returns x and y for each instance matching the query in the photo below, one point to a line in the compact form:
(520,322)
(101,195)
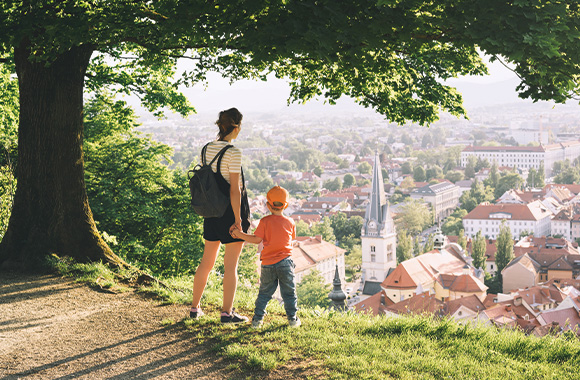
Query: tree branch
(506,66)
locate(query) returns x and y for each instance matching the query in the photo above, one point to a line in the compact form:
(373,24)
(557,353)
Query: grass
(346,345)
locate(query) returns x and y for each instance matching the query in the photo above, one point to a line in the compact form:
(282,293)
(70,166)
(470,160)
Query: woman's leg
(231,257)
(210,252)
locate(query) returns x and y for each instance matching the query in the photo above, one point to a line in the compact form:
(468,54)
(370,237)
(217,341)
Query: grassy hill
(353,346)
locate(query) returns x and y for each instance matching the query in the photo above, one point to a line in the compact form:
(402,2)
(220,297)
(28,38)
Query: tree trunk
(51,212)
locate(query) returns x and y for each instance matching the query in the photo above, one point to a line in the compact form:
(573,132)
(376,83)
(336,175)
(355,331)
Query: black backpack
(206,197)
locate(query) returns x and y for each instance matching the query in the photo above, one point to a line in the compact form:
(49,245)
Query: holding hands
(235,232)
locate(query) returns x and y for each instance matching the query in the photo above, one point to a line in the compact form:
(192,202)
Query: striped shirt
(231,162)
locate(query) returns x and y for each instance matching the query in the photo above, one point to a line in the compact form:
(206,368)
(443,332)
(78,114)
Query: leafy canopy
(390,55)
(139,204)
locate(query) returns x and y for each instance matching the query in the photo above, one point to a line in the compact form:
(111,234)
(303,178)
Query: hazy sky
(271,96)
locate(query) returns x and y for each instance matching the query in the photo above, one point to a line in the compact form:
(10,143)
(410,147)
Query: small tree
(312,291)
(507,182)
(417,249)
(419,174)
(470,170)
(302,228)
(353,262)
(414,216)
(478,250)
(333,184)
(408,183)
(429,244)
(407,167)
(324,229)
(434,172)
(404,246)
(532,176)
(348,180)
(541,178)
(461,240)
(493,175)
(505,250)
(365,168)
(454,176)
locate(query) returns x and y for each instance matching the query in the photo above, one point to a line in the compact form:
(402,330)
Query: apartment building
(533,218)
(524,157)
(443,197)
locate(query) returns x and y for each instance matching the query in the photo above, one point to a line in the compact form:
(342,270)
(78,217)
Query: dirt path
(52,328)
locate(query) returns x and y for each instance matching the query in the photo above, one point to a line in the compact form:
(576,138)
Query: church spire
(337,295)
(378,198)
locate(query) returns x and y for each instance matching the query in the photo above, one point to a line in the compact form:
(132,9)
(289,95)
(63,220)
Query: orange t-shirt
(277,233)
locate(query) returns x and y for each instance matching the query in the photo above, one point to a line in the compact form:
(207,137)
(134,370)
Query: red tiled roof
(471,302)
(530,196)
(489,300)
(540,295)
(503,149)
(561,193)
(517,211)
(423,303)
(575,189)
(466,283)
(549,258)
(500,316)
(311,250)
(400,279)
(564,282)
(369,305)
(567,319)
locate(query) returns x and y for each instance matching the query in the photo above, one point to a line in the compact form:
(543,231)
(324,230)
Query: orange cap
(278,194)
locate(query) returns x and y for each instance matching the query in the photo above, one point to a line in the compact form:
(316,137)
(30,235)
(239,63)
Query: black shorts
(218,229)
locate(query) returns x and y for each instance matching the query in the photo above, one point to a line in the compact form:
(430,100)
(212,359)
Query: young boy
(276,232)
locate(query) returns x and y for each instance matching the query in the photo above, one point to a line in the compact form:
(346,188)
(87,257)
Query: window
(373,258)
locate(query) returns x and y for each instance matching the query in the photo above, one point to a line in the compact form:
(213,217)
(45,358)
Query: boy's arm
(246,237)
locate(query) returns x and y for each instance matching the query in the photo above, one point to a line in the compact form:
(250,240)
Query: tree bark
(51,212)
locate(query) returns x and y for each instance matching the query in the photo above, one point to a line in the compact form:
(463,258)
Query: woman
(216,231)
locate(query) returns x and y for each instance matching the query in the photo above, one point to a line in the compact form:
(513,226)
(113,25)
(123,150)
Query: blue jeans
(283,273)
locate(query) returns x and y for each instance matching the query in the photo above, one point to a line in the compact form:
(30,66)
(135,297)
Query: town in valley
(477,220)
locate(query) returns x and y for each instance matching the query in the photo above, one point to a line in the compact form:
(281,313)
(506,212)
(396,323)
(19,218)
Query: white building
(533,217)
(443,197)
(313,253)
(524,157)
(378,236)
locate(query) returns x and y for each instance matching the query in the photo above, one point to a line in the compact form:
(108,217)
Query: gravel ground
(53,328)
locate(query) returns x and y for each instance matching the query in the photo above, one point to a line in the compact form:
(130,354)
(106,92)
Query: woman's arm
(236,198)
(238,234)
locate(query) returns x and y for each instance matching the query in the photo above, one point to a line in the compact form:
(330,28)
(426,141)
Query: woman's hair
(227,121)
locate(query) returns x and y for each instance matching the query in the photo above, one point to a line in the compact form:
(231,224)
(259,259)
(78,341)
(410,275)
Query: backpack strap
(203,150)
(221,155)
(218,156)
(243,180)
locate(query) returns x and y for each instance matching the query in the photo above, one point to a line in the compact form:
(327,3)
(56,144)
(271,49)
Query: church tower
(378,236)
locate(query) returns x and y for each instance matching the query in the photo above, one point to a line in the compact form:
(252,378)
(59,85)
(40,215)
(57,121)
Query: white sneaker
(257,324)
(294,322)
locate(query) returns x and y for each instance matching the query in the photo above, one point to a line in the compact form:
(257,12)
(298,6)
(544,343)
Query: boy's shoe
(233,318)
(257,324)
(294,322)
(195,314)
